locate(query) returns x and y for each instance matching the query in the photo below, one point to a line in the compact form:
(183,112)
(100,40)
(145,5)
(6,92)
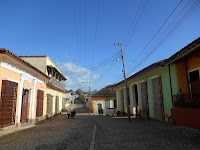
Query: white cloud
(75,75)
(96,76)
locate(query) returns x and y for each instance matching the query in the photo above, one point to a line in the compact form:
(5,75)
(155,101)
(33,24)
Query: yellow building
(105,98)
(22,91)
(55,93)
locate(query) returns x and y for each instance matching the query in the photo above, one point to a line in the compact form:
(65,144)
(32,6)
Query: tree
(79,91)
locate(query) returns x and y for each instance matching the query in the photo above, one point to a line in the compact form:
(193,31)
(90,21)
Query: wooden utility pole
(124,71)
(89,95)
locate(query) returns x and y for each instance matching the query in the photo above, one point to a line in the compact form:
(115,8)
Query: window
(194,75)
(107,103)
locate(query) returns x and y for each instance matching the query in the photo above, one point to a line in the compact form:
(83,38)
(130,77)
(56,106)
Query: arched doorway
(99,106)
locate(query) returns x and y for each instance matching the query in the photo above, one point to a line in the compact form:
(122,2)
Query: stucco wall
(54,93)
(39,62)
(97,100)
(167,100)
(192,62)
(6,74)
(50,62)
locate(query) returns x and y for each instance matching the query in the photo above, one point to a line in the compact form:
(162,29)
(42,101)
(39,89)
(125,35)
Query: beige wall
(39,62)
(50,62)
(97,100)
(54,93)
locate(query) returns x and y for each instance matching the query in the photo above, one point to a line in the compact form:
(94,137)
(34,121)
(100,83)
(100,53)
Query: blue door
(99,106)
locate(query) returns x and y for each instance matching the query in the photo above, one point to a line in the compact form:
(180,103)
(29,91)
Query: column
(20,100)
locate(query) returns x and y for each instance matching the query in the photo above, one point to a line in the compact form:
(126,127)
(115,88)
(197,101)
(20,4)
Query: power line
(178,21)
(154,35)
(182,16)
(159,29)
(136,21)
(76,30)
(85,32)
(95,31)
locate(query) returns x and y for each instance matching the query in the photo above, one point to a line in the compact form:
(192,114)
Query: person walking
(69,112)
(102,111)
(99,111)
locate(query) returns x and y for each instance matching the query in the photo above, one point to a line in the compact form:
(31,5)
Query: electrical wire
(77,40)
(175,24)
(96,30)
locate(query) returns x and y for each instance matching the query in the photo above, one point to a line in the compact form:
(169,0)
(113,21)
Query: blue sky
(79,35)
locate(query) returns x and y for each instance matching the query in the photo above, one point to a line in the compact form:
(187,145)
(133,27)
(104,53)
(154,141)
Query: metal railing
(56,82)
(187,100)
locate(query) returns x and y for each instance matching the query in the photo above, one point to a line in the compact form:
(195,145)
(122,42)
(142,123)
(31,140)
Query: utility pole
(124,71)
(89,96)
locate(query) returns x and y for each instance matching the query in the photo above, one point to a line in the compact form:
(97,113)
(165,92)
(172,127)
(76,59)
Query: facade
(153,91)
(55,93)
(105,98)
(149,92)
(186,109)
(22,91)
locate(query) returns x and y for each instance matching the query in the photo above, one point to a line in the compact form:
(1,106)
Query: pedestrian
(180,95)
(69,112)
(73,114)
(99,111)
(102,111)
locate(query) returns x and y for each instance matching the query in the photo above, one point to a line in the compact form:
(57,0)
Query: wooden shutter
(8,103)
(40,99)
(49,103)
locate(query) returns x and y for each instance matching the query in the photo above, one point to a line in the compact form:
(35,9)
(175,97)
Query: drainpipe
(186,71)
(170,81)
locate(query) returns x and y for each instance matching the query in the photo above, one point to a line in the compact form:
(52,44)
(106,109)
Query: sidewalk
(16,129)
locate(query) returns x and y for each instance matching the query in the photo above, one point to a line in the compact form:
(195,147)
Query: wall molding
(25,75)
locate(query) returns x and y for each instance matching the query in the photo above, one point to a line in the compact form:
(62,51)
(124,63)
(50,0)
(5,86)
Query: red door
(24,109)
(40,99)
(8,103)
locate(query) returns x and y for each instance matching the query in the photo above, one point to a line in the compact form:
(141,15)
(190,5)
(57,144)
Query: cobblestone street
(96,132)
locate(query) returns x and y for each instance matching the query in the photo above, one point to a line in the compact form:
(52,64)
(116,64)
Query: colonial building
(22,91)
(152,92)
(105,99)
(55,94)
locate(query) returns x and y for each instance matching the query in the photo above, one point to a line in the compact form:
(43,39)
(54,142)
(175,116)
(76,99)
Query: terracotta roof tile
(106,92)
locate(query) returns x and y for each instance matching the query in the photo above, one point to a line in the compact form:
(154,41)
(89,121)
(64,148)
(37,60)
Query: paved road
(95,132)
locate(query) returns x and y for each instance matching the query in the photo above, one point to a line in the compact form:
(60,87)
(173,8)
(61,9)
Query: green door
(63,102)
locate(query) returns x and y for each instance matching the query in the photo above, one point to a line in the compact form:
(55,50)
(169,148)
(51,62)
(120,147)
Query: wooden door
(63,102)
(144,97)
(40,99)
(57,105)
(8,103)
(122,100)
(24,108)
(158,98)
(49,103)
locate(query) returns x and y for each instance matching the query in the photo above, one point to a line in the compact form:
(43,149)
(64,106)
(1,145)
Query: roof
(40,56)
(11,54)
(34,56)
(184,51)
(106,92)
(144,71)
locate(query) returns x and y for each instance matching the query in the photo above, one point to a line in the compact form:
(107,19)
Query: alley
(95,132)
